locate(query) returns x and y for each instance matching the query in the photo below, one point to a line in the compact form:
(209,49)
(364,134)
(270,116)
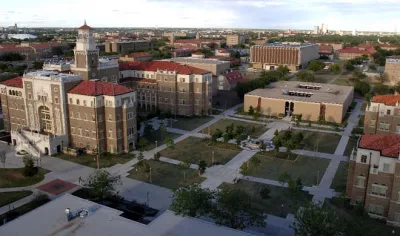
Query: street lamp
(282,210)
(156,143)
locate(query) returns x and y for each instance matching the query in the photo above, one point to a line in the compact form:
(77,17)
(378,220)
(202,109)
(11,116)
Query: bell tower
(86,53)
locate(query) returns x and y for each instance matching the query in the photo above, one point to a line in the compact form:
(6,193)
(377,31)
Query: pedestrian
(80,179)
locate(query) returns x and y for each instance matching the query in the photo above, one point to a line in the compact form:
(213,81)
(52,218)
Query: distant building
(181,52)
(324,29)
(169,87)
(229,80)
(392,69)
(312,100)
(179,34)
(222,52)
(335,45)
(294,56)
(32,51)
(326,50)
(260,41)
(197,43)
(316,29)
(127,46)
(137,56)
(353,52)
(214,66)
(235,39)
(373,176)
(382,115)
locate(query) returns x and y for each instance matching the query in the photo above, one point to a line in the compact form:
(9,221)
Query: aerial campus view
(204,117)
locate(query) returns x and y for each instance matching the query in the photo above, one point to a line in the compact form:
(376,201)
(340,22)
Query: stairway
(31,145)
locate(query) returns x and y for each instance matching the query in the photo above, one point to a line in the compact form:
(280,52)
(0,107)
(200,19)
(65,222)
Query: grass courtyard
(340,180)
(193,150)
(10,178)
(190,123)
(309,169)
(167,175)
(248,127)
(154,136)
(10,197)
(278,197)
(90,160)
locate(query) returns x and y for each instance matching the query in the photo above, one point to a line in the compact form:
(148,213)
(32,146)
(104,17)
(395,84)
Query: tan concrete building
(46,111)
(294,56)
(136,56)
(382,115)
(312,100)
(235,39)
(215,66)
(335,45)
(182,89)
(374,176)
(392,69)
(127,46)
(353,52)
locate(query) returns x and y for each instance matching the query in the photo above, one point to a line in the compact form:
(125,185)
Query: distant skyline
(362,15)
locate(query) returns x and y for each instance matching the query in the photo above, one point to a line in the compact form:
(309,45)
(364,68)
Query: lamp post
(156,143)
(212,158)
(282,210)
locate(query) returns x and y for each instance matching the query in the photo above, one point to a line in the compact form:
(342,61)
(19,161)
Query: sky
(370,15)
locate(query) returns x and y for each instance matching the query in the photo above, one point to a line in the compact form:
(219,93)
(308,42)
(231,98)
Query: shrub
(29,168)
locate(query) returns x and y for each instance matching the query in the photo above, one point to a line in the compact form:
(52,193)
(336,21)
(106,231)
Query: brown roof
(14,82)
(161,65)
(387,144)
(137,54)
(234,77)
(135,79)
(85,27)
(389,100)
(96,88)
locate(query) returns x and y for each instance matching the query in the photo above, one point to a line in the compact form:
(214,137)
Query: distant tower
(198,35)
(15,27)
(86,53)
(259,34)
(316,29)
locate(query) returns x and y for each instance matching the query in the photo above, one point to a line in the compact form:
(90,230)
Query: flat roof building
(215,66)
(313,100)
(295,56)
(392,69)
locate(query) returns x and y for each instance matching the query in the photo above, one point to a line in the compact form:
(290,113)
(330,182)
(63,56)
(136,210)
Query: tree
(335,68)
(372,67)
(294,187)
(314,220)
(276,133)
(101,184)
(383,77)
(143,142)
(169,142)
(362,88)
(29,168)
(284,178)
(264,192)
(192,201)
(251,110)
(157,156)
(263,146)
(202,167)
(297,138)
(57,51)
(38,65)
(316,65)
(256,115)
(306,76)
(349,66)
(239,130)
(283,70)
(234,209)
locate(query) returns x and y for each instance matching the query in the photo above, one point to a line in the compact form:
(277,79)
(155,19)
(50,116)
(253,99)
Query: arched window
(45,118)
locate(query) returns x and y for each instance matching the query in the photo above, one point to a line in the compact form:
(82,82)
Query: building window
(77,102)
(372,123)
(363,159)
(56,100)
(84,102)
(182,80)
(110,133)
(100,118)
(118,117)
(109,117)
(73,130)
(384,126)
(29,96)
(70,101)
(87,133)
(379,190)
(80,131)
(375,209)
(360,181)
(181,101)
(197,101)
(86,116)
(94,134)
(78,115)
(388,112)
(386,167)
(397,217)
(91,103)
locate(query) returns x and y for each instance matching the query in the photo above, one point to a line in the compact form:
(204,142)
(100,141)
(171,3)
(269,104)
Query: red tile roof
(96,88)
(387,144)
(234,77)
(14,82)
(135,79)
(85,27)
(161,65)
(325,48)
(197,41)
(389,100)
(137,54)
(356,50)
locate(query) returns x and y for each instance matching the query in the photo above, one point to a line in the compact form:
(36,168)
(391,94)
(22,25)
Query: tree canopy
(102,184)
(316,65)
(306,76)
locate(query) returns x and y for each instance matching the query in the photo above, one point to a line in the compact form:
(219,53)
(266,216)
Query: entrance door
(46,151)
(286,108)
(58,148)
(14,142)
(291,109)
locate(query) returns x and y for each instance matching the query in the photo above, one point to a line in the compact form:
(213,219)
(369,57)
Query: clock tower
(86,54)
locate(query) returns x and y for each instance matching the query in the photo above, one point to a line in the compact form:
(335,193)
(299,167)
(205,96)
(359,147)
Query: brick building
(136,56)
(374,176)
(392,69)
(382,115)
(235,39)
(294,56)
(353,52)
(169,86)
(32,51)
(46,111)
(119,46)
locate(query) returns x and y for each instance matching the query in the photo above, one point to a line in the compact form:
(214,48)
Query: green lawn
(90,160)
(167,175)
(10,178)
(304,167)
(154,136)
(194,150)
(319,141)
(222,124)
(343,81)
(278,197)
(340,180)
(324,77)
(190,123)
(350,145)
(10,197)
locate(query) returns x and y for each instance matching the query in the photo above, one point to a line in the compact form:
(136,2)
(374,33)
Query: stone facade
(392,69)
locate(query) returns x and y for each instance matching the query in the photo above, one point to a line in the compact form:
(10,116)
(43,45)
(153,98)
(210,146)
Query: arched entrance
(46,151)
(45,119)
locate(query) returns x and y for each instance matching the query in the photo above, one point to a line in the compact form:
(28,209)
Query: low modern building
(392,69)
(373,176)
(353,52)
(313,100)
(229,80)
(32,51)
(294,56)
(197,43)
(90,218)
(382,115)
(326,50)
(48,111)
(120,46)
(169,86)
(335,45)
(136,56)
(222,52)
(235,39)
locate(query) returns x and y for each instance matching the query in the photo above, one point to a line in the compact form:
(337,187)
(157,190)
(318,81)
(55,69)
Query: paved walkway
(320,155)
